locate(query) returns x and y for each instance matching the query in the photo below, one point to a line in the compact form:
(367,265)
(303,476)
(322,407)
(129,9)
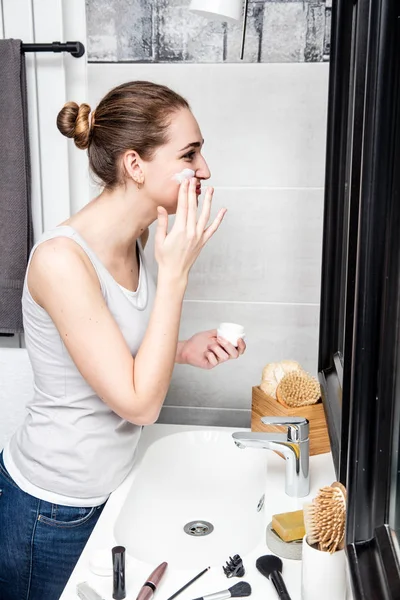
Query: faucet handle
(298,427)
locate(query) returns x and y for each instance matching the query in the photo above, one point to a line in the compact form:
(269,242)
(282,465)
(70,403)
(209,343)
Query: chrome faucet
(294,445)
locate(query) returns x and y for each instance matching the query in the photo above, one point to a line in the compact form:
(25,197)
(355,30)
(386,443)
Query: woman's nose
(202,171)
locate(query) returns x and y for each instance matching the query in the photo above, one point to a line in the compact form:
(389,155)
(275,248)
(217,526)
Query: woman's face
(182,151)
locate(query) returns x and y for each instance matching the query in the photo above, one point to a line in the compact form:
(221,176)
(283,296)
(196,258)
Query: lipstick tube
(118,557)
(149,587)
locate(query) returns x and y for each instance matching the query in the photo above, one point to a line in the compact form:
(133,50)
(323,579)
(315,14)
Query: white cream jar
(231,332)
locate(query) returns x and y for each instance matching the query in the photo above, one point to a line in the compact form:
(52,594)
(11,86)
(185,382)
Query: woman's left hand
(206,350)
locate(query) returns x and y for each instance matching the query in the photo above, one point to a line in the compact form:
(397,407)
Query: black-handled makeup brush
(188,583)
(239,590)
(271,567)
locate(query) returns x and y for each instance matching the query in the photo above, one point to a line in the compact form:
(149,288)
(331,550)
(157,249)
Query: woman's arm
(68,289)
(179,359)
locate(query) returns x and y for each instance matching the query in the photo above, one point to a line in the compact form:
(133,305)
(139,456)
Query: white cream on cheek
(185,174)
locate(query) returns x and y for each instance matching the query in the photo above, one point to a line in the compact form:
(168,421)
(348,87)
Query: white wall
(264,127)
(59,171)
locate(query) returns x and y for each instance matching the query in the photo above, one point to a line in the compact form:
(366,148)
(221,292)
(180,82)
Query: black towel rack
(76,49)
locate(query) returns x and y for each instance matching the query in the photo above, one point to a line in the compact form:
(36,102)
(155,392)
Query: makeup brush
(271,567)
(188,583)
(239,590)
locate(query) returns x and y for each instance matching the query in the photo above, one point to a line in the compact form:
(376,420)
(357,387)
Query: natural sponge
(274,372)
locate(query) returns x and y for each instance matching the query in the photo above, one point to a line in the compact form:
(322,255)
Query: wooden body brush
(298,388)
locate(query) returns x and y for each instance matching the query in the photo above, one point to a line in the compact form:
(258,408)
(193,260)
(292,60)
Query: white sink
(185,473)
(194,476)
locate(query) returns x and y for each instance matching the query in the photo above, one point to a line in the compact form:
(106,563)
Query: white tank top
(72,449)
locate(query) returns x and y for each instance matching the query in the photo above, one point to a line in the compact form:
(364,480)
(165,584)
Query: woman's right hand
(177,250)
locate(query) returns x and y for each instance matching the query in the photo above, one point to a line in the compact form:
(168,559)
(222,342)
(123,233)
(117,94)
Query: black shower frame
(359,362)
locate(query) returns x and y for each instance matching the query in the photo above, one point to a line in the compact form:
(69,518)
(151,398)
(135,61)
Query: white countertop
(321,473)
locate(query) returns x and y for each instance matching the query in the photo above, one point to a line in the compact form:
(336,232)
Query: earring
(138,184)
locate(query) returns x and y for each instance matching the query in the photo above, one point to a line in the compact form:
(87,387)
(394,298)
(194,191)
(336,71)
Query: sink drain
(198,528)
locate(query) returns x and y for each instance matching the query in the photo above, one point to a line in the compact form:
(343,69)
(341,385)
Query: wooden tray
(265,406)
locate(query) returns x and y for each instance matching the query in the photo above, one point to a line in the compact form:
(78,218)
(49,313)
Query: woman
(102,339)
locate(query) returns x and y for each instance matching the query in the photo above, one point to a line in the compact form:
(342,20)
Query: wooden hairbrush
(325,518)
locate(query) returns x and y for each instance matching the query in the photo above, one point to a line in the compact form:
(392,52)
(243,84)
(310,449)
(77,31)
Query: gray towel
(15,202)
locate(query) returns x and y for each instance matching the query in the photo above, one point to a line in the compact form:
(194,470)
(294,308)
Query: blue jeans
(40,542)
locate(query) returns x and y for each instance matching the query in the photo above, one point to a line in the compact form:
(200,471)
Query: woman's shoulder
(58,260)
(55,246)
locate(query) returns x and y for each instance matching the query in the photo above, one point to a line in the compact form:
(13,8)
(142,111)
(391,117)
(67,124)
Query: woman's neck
(112,222)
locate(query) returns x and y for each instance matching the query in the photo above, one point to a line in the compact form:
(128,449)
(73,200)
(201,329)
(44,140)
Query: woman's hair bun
(73,122)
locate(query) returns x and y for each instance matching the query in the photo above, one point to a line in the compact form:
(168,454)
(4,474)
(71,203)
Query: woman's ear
(131,162)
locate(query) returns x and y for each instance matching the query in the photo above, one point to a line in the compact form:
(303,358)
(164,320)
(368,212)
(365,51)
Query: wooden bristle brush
(298,388)
(325,518)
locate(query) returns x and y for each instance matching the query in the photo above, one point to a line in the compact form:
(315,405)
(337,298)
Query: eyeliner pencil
(188,583)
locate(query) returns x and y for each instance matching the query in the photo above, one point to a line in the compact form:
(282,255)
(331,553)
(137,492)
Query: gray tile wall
(165,31)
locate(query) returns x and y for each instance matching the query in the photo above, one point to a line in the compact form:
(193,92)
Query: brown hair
(132,116)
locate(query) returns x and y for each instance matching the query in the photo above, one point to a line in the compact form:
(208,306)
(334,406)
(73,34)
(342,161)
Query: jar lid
(100,562)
